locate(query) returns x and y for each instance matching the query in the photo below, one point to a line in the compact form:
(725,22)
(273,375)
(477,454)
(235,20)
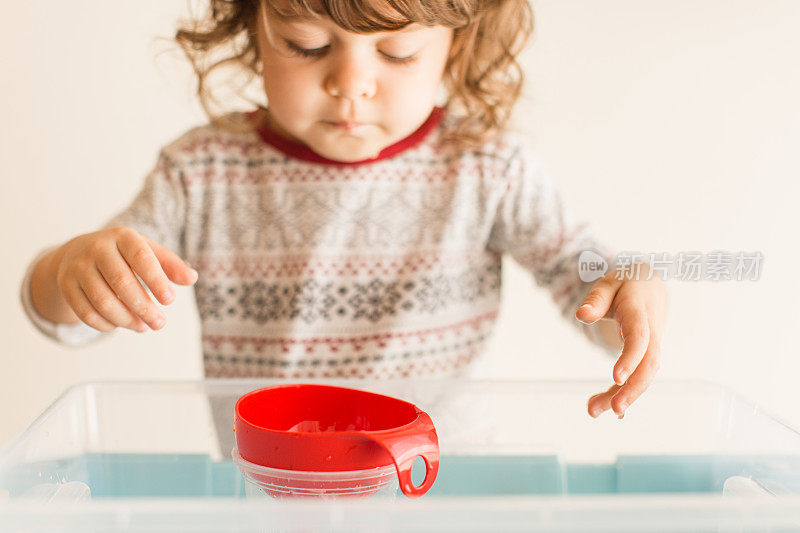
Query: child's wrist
(45,295)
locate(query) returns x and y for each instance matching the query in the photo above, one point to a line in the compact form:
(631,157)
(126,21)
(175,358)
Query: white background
(670,126)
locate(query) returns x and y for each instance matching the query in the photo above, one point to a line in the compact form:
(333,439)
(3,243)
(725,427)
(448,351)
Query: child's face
(352,78)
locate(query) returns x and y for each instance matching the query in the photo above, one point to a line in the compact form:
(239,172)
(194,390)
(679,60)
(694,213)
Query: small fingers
(106,312)
(82,307)
(598,301)
(601,402)
(641,378)
(141,258)
(103,299)
(174,267)
(118,275)
(635,331)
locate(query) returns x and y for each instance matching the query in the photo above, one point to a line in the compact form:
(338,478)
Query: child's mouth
(347,126)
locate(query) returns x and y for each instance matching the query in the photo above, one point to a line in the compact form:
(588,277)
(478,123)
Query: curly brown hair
(482,77)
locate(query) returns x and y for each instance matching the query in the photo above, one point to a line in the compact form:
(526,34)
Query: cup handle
(406,444)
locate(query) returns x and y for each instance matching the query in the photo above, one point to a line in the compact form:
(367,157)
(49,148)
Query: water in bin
(323,441)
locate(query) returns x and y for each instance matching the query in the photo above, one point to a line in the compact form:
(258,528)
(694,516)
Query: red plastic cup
(328,429)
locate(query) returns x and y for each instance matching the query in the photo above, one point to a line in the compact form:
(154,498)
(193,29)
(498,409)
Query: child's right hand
(96,276)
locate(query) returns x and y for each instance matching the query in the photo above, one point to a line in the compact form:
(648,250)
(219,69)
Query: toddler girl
(354,225)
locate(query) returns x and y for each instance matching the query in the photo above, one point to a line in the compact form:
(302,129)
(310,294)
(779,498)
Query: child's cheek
(290,89)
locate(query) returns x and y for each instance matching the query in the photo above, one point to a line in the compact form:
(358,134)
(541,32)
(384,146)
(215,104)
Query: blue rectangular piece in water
(153,475)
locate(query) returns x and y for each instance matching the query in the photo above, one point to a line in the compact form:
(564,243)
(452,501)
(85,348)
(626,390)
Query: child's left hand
(636,309)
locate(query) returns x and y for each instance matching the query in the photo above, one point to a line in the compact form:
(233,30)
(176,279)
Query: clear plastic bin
(516,456)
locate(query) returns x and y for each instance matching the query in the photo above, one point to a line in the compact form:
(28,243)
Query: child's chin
(344,155)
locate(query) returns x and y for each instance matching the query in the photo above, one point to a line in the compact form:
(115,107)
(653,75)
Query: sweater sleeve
(534,227)
(158,212)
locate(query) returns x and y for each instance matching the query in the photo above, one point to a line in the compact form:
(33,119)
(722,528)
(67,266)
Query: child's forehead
(376,14)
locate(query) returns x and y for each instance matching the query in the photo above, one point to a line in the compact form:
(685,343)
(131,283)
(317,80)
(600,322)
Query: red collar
(301,151)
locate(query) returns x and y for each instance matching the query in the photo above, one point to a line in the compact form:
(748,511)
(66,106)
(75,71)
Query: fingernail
(594,413)
(142,328)
(167,295)
(622,377)
(620,417)
(584,306)
(159,322)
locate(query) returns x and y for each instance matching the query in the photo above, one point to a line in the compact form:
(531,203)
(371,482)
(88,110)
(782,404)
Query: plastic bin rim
(5,451)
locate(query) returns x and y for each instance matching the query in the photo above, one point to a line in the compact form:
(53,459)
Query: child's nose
(352,80)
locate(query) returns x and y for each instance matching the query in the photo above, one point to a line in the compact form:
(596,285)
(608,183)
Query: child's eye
(319,52)
(402,60)
(306,52)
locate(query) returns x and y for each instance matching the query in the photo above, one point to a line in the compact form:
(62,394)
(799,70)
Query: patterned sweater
(382,268)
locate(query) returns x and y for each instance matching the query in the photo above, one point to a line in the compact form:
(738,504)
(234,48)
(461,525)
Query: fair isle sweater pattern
(388,268)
